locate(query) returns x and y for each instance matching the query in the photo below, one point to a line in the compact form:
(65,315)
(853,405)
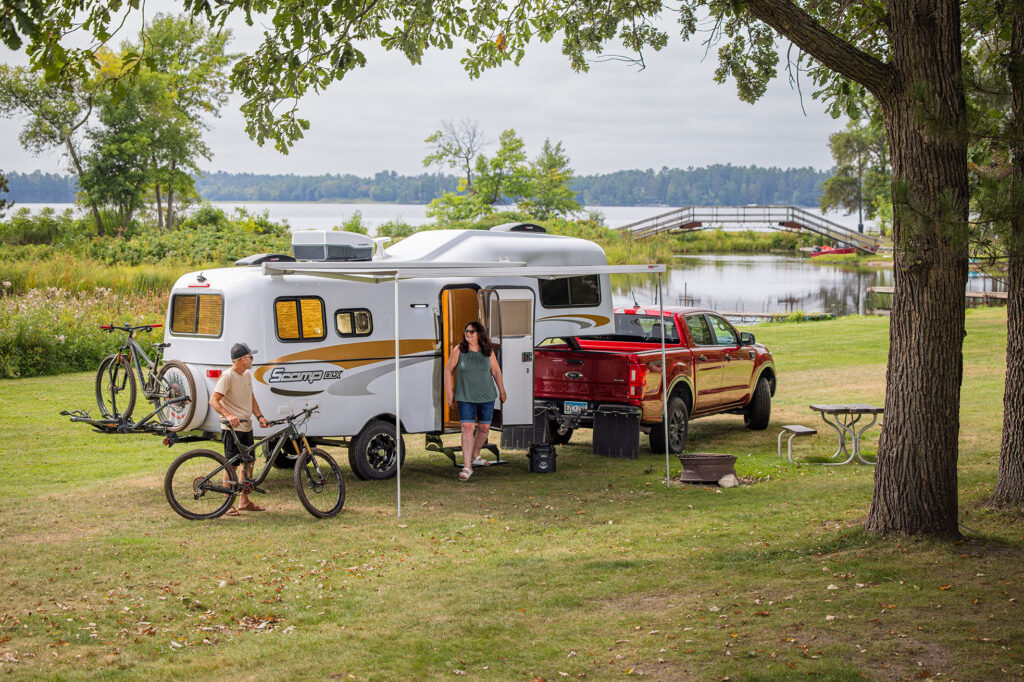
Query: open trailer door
(508,316)
(459,307)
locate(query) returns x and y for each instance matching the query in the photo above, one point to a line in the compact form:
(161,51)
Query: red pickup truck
(712,369)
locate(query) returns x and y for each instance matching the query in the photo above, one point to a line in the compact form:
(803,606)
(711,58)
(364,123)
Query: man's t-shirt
(237,391)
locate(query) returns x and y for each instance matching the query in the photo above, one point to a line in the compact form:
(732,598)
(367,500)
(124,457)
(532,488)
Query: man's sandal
(465,474)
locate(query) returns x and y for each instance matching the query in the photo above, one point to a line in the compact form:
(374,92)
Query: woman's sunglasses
(470,331)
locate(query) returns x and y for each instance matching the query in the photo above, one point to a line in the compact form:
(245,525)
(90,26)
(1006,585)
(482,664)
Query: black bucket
(542,458)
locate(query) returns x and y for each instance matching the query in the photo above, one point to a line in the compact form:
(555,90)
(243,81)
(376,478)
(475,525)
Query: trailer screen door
(509,318)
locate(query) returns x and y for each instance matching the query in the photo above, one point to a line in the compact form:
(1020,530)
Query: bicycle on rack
(202,484)
(120,373)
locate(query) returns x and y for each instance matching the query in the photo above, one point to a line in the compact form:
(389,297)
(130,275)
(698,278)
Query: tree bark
(78,169)
(1009,490)
(159,208)
(915,488)
(922,100)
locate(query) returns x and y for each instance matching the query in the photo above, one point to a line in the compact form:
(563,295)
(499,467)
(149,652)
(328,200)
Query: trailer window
(300,319)
(516,318)
(197,314)
(353,322)
(570,292)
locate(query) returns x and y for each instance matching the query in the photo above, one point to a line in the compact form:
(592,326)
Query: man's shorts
(478,413)
(230,449)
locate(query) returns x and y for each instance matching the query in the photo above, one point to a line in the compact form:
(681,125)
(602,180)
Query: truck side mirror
(746,339)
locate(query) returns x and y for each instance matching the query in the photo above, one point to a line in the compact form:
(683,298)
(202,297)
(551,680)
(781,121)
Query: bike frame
(134,353)
(287,434)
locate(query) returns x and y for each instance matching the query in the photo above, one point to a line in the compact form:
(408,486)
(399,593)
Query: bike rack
(124,424)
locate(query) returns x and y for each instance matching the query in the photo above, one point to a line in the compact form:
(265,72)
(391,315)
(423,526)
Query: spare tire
(176,380)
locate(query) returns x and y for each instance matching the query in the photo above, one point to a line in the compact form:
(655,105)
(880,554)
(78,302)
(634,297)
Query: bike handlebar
(301,414)
(129,328)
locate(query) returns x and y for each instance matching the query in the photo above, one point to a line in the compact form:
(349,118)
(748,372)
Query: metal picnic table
(844,421)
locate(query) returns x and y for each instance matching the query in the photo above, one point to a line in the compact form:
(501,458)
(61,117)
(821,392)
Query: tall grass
(48,331)
(68,272)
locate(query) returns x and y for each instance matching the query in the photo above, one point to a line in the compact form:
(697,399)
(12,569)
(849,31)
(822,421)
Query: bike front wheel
(318,483)
(115,388)
(199,485)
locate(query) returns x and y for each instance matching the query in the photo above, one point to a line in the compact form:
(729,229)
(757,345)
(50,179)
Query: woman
(474,392)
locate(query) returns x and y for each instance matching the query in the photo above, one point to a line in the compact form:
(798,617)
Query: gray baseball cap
(240,350)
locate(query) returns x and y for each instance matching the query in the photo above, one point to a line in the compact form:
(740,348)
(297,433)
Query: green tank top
(473,381)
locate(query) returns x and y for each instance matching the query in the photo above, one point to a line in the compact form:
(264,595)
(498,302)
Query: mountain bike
(202,484)
(120,374)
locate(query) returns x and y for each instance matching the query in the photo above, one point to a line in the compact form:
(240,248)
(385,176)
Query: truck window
(570,292)
(356,322)
(197,314)
(645,328)
(725,335)
(699,330)
(299,319)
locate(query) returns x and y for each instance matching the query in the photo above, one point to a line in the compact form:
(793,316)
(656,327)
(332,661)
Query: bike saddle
(162,345)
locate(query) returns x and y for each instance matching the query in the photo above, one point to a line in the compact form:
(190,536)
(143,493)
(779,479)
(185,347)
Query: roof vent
(322,246)
(519,227)
(258,258)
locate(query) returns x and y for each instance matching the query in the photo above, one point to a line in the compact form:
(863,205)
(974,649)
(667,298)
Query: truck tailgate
(580,375)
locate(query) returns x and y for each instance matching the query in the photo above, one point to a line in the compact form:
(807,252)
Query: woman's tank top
(473,381)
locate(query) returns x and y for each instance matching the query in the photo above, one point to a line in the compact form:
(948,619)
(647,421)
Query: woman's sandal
(465,474)
(481,462)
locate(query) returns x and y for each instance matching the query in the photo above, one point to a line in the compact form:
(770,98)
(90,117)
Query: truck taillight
(637,380)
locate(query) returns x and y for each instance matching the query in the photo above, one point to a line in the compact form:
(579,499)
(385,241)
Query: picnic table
(844,420)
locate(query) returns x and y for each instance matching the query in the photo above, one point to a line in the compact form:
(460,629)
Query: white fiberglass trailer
(325,327)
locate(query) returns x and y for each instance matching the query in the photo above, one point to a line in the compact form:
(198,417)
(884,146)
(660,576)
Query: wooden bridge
(774,217)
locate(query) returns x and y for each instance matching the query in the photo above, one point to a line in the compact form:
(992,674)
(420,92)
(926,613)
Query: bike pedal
(259,490)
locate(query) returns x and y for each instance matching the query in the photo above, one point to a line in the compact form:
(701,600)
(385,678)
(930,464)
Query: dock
(985,296)
(768,317)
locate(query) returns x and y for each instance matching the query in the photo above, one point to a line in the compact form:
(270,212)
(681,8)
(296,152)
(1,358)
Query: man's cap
(240,350)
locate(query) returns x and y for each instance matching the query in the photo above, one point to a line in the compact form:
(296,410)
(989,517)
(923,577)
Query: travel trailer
(323,322)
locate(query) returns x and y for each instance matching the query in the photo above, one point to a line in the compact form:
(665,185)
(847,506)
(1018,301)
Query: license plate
(574,407)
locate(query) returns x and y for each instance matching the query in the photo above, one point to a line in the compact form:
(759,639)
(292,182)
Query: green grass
(595,571)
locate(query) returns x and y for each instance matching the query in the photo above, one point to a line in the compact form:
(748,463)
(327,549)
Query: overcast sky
(615,117)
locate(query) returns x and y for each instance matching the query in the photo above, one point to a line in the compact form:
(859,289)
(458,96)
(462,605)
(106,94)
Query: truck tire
(372,453)
(678,428)
(759,411)
(551,434)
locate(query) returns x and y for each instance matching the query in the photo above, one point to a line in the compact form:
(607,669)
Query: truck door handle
(574,362)
(702,358)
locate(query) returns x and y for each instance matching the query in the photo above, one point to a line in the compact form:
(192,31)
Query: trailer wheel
(551,434)
(678,428)
(372,453)
(759,411)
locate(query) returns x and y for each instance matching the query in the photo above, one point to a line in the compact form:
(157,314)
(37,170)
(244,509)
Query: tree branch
(794,23)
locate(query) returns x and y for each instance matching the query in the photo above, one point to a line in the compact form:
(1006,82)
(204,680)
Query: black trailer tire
(183,485)
(115,388)
(372,453)
(176,380)
(678,428)
(759,411)
(551,434)
(319,484)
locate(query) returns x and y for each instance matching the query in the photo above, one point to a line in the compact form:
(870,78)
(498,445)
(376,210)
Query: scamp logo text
(280,375)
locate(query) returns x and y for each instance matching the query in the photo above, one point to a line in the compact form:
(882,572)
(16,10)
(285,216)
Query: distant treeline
(719,185)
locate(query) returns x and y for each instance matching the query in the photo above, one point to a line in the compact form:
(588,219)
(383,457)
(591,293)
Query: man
(234,401)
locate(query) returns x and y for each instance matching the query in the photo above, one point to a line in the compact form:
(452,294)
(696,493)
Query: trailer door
(508,315)
(459,306)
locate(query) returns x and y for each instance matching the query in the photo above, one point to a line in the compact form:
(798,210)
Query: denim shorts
(479,413)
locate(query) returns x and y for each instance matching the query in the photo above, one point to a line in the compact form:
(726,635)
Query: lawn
(597,571)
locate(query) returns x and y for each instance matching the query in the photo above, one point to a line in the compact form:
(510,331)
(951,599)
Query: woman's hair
(481,338)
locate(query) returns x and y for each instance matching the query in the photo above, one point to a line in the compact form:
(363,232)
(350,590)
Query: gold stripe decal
(349,355)
(592,320)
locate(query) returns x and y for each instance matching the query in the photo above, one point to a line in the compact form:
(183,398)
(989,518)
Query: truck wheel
(759,411)
(372,453)
(551,434)
(678,428)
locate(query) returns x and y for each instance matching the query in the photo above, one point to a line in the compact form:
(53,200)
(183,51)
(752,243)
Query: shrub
(48,331)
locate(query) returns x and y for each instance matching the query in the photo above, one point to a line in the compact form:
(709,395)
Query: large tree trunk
(1009,491)
(916,478)
(922,99)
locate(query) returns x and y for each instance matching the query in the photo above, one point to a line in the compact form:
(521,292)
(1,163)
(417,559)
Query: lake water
(730,283)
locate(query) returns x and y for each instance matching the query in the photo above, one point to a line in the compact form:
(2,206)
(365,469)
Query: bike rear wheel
(318,483)
(115,388)
(195,488)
